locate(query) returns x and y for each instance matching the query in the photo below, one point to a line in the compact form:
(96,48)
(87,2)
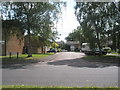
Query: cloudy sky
(68,21)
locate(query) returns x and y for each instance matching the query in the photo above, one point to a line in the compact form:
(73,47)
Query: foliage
(99,22)
(59,50)
(55,45)
(10,28)
(66,47)
(76,35)
(36,18)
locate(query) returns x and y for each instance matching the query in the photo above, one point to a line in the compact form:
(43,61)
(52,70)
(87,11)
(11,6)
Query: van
(86,49)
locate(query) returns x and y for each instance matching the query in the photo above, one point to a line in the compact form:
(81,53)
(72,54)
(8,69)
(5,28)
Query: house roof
(72,42)
(60,42)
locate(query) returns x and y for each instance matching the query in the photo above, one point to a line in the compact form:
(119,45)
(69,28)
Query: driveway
(63,69)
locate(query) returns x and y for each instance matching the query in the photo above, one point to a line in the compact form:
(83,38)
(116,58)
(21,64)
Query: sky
(68,22)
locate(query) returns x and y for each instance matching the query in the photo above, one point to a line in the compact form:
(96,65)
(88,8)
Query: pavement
(63,69)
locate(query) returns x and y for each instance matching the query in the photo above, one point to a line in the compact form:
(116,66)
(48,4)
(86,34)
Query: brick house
(36,46)
(13,45)
(15,42)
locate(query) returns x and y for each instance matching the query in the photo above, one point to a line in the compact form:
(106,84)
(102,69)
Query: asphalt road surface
(63,69)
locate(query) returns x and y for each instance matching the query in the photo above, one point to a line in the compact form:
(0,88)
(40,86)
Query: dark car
(96,52)
(52,50)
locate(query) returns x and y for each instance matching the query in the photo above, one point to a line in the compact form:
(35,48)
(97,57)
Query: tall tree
(76,35)
(96,18)
(35,16)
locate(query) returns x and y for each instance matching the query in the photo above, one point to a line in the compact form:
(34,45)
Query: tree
(76,35)
(97,18)
(55,45)
(66,47)
(35,17)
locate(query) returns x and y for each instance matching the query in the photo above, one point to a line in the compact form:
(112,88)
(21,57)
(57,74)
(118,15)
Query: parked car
(52,50)
(64,50)
(88,51)
(96,52)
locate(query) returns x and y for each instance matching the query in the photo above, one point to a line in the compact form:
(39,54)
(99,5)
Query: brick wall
(14,45)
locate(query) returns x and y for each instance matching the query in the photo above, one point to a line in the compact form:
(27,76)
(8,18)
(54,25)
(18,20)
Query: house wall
(74,45)
(3,50)
(14,45)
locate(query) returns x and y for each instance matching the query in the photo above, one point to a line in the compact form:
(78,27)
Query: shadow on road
(88,62)
(84,61)
(17,63)
(23,63)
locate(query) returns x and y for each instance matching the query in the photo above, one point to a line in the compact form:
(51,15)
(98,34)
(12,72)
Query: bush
(58,50)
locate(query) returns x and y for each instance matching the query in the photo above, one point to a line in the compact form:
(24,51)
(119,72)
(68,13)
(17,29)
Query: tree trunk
(29,37)
(117,39)
(98,39)
(42,49)
(5,46)
(114,40)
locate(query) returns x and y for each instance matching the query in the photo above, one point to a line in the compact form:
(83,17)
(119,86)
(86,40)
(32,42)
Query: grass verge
(23,60)
(104,57)
(116,53)
(20,87)
(24,57)
(106,60)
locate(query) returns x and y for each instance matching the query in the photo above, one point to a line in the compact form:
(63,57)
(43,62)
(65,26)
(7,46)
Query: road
(63,69)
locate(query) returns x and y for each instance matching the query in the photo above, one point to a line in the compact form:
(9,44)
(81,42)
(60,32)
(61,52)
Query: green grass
(25,55)
(115,53)
(21,87)
(108,57)
(22,60)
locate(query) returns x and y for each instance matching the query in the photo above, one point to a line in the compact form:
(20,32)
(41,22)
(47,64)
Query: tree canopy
(99,23)
(36,17)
